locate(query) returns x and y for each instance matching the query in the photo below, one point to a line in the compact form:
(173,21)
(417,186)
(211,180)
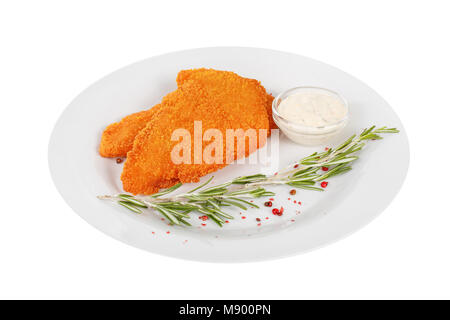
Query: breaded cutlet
(149,165)
(230,88)
(117,139)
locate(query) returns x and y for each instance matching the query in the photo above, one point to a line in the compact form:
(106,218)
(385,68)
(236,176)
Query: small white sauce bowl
(302,134)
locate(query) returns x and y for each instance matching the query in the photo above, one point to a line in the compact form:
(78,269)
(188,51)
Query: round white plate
(349,202)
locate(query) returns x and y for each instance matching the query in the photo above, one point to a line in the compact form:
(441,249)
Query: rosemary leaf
(166,191)
(132,200)
(168,215)
(202,185)
(251,204)
(129,206)
(185,222)
(310,188)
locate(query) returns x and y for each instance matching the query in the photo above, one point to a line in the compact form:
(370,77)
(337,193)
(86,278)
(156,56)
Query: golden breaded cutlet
(117,138)
(149,165)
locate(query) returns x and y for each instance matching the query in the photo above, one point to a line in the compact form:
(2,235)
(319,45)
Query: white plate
(350,201)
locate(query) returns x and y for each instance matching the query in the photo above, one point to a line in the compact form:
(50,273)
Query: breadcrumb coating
(117,138)
(149,166)
(230,88)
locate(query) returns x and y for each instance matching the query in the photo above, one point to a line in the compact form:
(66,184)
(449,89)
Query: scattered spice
(293,192)
(226,221)
(119,160)
(258,219)
(268,203)
(243,217)
(289,199)
(296,166)
(204,218)
(167,232)
(324,168)
(324,184)
(204,224)
(259,224)
(278,212)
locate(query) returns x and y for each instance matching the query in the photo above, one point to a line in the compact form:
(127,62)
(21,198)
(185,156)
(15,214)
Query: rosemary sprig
(210,201)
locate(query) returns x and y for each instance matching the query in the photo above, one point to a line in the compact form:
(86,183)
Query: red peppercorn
(268,203)
(119,160)
(325,168)
(293,192)
(324,184)
(258,219)
(275,211)
(296,166)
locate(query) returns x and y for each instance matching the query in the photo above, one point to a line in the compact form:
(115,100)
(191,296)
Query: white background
(51,50)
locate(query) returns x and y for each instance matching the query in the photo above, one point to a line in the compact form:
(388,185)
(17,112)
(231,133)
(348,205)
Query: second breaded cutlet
(117,138)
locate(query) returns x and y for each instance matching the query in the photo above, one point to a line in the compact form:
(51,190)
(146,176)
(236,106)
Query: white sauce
(313,108)
(310,116)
